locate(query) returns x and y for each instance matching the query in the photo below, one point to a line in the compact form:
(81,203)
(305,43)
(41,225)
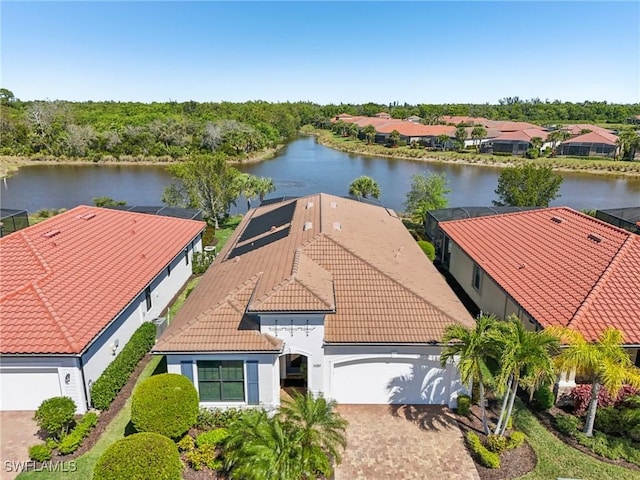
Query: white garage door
(25,389)
(389,380)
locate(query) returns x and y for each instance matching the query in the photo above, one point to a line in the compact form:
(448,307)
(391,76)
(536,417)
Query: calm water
(303,167)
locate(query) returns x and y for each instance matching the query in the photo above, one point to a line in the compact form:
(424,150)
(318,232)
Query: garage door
(25,389)
(389,380)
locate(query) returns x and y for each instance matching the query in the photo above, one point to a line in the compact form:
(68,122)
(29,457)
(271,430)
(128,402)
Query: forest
(165,131)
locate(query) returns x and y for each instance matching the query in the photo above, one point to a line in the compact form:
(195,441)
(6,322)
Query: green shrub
(70,443)
(516,439)
(117,374)
(497,443)
(209,418)
(187,443)
(428,249)
(140,456)
(484,456)
(464,405)
(567,424)
(52,443)
(201,261)
(212,437)
(40,452)
(55,415)
(543,398)
(166,404)
(204,456)
(609,420)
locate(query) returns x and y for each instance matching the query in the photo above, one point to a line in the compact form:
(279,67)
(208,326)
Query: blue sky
(327,52)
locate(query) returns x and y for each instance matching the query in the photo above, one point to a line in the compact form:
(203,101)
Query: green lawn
(173,309)
(115,431)
(557,459)
(225,230)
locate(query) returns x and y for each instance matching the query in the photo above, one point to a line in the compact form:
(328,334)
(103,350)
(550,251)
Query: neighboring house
(602,144)
(553,266)
(415,132)
(73,290)
(324,293)
(413,118)
(577,129)
(383,115)
(517,142)
(510,126)
(465,120)
(12,220)
(627,218)
(491,134)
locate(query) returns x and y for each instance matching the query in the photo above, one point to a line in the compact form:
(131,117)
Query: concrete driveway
(403,442)
(17,433)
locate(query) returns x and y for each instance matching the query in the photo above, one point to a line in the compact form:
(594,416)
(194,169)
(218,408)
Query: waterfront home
(73,290)
(516,142)
(601,144)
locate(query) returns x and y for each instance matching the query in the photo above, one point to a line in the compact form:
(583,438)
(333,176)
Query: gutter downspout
(84,384)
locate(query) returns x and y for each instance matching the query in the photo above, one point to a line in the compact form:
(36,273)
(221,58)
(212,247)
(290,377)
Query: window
(186,255)
(221,381)
(477,277)
(147,297)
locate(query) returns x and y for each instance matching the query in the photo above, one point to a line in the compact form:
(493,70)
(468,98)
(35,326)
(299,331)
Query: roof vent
(334,205)
(594,238)
(51,233)
(309,205)
(86,216)
(337,226)
(307,226)
(557,219)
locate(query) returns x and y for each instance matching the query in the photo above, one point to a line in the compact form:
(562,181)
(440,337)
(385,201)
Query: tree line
(175,130)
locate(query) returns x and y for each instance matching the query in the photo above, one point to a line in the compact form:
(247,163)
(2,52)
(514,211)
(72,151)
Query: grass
(225,230)
(557,459)
(173,309)
(115,431)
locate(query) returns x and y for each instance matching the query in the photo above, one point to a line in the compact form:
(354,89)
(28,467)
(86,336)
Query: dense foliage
(364,187)
(40,453)
(116,375)
(428,249)
(140,456)
(55,415)
(166,404)
(124,130)
(486,457)
(581,396)
(464,405)
(527,185)
(71,442)
(428,192)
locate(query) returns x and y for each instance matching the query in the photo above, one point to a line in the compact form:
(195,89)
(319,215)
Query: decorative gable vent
(337,226)
(307,226)
(309,205)
(51,233)
(557,219)
(594,238)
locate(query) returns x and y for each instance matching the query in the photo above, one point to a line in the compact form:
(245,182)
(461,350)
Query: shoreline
(327,139)
(11,164)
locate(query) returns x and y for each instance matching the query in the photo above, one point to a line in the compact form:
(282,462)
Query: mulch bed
(546,419)
(105,417)
(513,463)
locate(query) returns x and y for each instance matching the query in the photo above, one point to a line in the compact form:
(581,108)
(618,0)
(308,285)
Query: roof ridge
(313,294)
(404,287)
(599,284)
(56,319)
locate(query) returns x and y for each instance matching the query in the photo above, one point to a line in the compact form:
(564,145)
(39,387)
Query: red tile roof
(457,119)
(523,135)
(576,129)
(356,262)
(510,126)
(593,137)
(561,266)
(65,279)
(410,129)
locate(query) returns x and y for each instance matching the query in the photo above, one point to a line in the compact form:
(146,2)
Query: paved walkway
(17,434)
(398,442)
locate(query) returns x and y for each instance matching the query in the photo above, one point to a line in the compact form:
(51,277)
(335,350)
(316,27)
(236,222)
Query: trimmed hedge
(464,405)
(55,415)
(72,442)
(497,443)
(428,249)
(140,456)
(166,404)
(40,452)
(117,374)
(484,456)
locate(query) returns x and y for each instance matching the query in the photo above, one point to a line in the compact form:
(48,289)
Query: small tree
(428,192)
(628,142)
(363,187)
(55,415)
(443,140)
(556,138)
(369,132)
(477,134)
(394,138)
(461,137)
(527,185)
(107,202)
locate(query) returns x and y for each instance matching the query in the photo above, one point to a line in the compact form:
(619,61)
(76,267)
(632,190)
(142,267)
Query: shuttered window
(221,381)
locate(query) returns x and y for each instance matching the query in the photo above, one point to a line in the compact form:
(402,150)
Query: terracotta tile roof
(410,129)
(561,266)
(65,279)
(593,137)
(523,135)
(457,119)
(576,129)
(510,126)
(356,260)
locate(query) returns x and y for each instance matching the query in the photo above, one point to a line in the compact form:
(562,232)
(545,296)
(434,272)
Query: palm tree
(317,425)
(604,361)
(556,137)
(536,144)
(264,186)
(353,130)
(370,132)
(247,186)
(473,347)
(478,133)
(394,137)
(628,142)
(363,187)
(443,140)
(526,357)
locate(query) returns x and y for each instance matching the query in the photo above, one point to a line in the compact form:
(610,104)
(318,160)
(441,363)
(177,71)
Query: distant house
(414,119)
(634,120)
(323,293)
(465,120)
(577,129)
(600,144)
(383,115)
(517,142)
(73,290)
(415,132)
(552,266)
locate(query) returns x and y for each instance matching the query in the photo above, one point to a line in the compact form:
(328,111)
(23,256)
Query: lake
(301,168)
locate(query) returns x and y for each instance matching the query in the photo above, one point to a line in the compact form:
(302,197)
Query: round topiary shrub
(428,249)
(166,404)
(140,456)
(40,453)
(55,415)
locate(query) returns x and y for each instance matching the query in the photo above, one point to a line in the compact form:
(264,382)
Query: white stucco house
(552,266)
(320,292)
(74,288)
